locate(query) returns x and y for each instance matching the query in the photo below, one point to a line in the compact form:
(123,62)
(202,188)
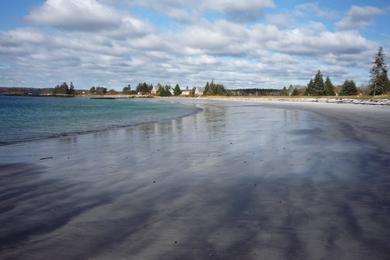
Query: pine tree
(319,86)
(329,88)
(127,89)
(177,90)
(62,89)
(309,90)
(160,90)
(71,90)
(316,87)
(101,90)
(348,88)
(284,92)
(379,82)
(295,92)
(168,91)
(212,89)
(206,89)
(144,88)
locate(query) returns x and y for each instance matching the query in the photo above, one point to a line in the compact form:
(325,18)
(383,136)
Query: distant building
(185,93)
(154,90)
(199,91)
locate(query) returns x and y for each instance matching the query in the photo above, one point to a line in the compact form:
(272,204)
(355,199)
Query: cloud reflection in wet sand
(248,183)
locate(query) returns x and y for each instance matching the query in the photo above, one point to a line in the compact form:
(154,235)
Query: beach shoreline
(239,179)
(384,101)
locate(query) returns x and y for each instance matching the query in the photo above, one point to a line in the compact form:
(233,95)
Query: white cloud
(191,10)
(184,11)
(237,6)
(25,35)
(243,10)
(314,9)
(75,15)
(231,39)
(302,42)
(359,17)
(302,14)
(237,54)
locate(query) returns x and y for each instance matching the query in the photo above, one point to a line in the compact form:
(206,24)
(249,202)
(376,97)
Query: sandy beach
(237,180)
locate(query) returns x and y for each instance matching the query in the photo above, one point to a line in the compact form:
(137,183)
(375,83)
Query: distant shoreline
(335,100)
(283,172)
(361,100)
(383,100)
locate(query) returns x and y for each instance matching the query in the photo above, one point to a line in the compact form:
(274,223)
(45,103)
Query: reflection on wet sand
(249,183)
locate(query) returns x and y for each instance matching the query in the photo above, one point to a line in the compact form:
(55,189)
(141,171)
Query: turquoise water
(30,118)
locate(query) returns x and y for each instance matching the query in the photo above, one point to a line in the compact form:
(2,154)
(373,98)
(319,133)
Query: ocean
(31,118)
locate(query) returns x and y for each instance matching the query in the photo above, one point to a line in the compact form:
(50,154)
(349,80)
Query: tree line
(379,82)
(64,89)
(98,90)
(254,92)
(210,89)
(318,87)
(161,90)
(214,89)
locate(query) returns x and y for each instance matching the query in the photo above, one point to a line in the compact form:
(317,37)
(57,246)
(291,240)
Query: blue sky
(251,43)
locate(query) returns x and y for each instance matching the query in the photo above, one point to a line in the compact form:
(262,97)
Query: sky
(242,44)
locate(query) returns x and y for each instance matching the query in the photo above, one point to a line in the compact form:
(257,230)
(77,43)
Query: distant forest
(255,92)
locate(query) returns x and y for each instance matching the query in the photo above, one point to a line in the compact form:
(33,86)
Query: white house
(185,93)
(154,90)
(199,91)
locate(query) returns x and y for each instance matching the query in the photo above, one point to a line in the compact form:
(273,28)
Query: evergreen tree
(177,90)
(284,92)
(93,90)
(126,90)
(206,89)
(295,92)
(101,91)
(319,86)
(348,88)
(316,87)
(168,91)
(150,88)
(310,88)
(160,90)
(329,88)
(213,89)
(379,82)
(71,90)
(62,89)
(112,92)
(164,91)
(144,88)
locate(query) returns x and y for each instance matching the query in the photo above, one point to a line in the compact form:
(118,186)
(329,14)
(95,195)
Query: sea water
(31,118)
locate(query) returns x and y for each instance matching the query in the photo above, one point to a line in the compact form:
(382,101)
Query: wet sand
(238,180)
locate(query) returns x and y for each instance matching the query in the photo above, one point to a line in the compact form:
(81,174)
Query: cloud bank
(114,43)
